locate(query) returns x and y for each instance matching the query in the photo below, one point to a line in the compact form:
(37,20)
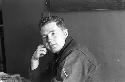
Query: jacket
(72,64)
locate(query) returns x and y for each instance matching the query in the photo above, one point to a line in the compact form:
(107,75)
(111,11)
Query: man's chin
(55,51)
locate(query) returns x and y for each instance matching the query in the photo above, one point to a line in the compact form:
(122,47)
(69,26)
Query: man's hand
(40,52)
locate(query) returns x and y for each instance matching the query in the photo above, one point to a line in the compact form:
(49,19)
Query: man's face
(53,37)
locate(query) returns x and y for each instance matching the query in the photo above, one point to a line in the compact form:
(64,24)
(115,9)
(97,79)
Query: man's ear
(66,32)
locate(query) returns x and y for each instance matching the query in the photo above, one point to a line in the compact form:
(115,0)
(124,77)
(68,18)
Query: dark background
(78,5)
(103,32)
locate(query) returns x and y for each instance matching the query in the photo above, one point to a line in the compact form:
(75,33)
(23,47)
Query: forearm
(34,73)
(34,64)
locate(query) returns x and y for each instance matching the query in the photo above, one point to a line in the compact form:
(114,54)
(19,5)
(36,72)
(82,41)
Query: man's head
(53,33)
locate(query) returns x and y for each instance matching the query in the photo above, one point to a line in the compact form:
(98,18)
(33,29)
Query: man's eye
(43,36)
(53,33)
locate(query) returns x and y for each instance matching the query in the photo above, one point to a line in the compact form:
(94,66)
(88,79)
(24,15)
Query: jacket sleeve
(33,75)
(41,74)
(79,68)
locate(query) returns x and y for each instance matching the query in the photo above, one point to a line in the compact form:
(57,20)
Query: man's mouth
(52,45)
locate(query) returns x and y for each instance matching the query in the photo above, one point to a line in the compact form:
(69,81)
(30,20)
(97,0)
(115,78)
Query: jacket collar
(67,49)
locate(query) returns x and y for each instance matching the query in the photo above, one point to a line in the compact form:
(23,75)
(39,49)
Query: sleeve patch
(66,73)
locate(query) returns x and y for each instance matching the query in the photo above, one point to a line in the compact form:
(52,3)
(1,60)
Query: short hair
(45,20)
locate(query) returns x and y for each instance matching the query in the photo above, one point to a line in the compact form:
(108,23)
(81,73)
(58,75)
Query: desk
(4,77)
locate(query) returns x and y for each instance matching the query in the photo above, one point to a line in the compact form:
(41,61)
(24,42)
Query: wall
(101,31)
(21,18)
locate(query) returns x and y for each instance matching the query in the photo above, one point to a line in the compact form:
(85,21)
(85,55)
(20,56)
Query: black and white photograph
(62,40)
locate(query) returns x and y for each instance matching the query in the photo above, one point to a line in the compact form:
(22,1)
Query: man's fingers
(40,51)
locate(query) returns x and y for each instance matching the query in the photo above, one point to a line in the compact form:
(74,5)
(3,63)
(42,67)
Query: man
(69,62)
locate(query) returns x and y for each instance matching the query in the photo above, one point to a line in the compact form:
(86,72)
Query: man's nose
(49,38)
